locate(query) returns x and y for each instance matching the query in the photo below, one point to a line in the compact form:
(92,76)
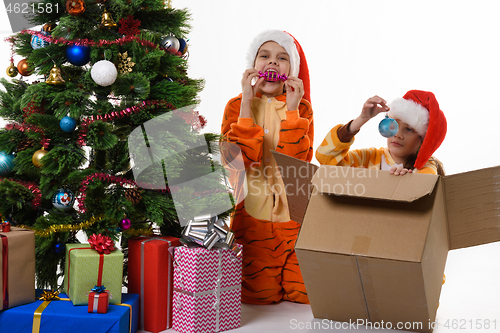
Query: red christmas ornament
(102,244)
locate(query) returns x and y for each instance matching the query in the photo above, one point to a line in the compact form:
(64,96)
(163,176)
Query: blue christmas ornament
(6,163)
(68,124)
(388,127)
(78,55)
(37,42)
(63,199)
(59,247)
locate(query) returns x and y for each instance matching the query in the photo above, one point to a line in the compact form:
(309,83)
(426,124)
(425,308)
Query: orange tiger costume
(262,222)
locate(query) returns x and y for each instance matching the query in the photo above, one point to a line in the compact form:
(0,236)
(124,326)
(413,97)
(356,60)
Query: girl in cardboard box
(421,130)
(273,112)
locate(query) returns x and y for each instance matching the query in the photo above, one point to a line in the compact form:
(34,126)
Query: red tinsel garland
(37,194)
(84,125)
(30,128)
(101,43)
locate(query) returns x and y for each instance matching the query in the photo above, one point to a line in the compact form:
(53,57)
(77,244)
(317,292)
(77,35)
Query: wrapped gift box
(81,273)
(150,274)
(207,290)
(98,302)
(61,316)
(17,267)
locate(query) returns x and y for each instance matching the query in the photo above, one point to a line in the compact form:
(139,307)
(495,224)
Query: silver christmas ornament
(170,43)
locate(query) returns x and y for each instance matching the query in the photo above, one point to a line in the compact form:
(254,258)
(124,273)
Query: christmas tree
(107,138)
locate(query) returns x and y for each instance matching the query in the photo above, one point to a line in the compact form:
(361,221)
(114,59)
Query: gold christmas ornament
(107,21)
(126,63)
(37,156)
(12,70)
(49,27)
(55,77)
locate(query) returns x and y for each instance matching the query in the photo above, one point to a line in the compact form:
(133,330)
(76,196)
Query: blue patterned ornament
(68,124)
(388,127)
(78,55)
(6,163)
(63,199)
(37,42)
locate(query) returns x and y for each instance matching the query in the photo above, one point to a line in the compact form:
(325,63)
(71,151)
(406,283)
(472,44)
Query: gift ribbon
(169,282)
(47,297)
(207,231)
(101,264)
(5,271)
(130,310)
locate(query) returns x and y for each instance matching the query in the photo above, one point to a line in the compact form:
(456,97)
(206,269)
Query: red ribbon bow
(102,244)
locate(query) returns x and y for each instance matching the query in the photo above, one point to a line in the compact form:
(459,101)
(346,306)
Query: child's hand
(294,92)
(248,90)
(399,171)
(372,107)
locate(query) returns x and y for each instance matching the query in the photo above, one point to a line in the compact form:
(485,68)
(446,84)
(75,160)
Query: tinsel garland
(84,125)
(139,232)
(102,177)
(37,194)
(63,227)
(30,128)
(101,43)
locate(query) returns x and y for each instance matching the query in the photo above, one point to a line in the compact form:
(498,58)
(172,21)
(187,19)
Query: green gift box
(84,266)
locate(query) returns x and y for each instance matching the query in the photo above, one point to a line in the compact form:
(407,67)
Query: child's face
(405,143)
(272,57)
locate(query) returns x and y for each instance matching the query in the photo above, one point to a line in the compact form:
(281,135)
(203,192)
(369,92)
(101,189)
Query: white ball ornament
(104,73)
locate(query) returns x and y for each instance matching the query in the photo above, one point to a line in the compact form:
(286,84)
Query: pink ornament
(125,223)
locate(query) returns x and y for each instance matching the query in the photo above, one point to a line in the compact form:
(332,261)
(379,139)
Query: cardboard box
(373,246)
(17,267)
(61,316)
(207,290)
(150,274)
(81,273)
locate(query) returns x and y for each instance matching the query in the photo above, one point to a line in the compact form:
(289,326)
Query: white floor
(470,301)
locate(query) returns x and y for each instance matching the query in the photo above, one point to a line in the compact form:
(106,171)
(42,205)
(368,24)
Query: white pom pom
(104,73)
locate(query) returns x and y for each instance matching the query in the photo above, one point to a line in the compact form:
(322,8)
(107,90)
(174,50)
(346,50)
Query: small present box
(61,316)
(207,290)
(17,267)
(85,267)
(150,274)
(98,301)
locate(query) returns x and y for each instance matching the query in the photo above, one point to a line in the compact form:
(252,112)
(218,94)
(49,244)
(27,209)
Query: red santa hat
(298,63)
(420,110)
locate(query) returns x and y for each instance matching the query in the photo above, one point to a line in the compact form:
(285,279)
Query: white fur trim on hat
(411,113)
(282,38)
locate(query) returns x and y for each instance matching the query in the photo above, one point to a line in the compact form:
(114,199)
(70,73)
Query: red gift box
(150,274)
(99,302)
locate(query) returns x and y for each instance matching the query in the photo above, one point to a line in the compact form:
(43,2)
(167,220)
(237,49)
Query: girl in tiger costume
(273,112)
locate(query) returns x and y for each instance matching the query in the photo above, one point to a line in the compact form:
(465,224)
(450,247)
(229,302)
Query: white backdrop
(356,49)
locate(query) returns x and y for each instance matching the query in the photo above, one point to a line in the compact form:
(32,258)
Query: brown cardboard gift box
(17,267)
(373,246)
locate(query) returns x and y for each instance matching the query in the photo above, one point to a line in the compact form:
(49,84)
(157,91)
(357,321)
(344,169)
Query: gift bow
(98,289)
(102,244)
(208,230)
(49,295)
